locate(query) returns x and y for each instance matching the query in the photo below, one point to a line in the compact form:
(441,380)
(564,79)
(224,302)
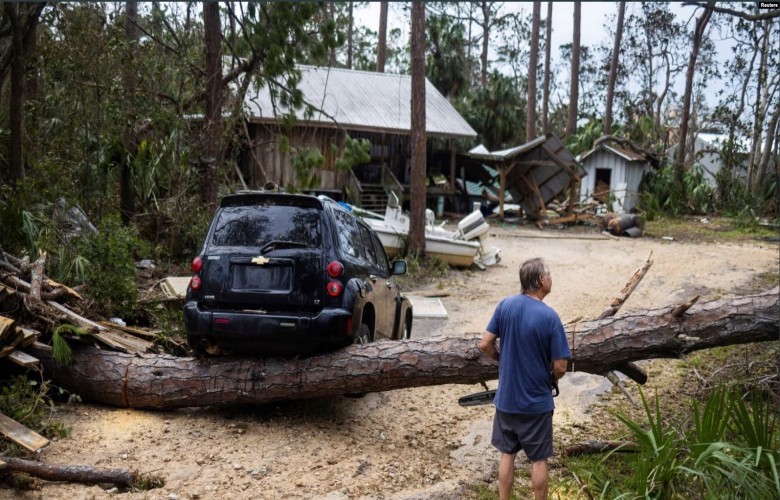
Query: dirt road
(410,443)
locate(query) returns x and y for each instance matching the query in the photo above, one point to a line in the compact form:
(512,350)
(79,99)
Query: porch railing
(353,189)
(390,183)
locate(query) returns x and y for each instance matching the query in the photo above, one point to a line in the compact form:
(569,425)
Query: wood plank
(28,336)
(42,347)
(138,332)
(21,435)
(16,339)
(6,350)
(81,320)
(23,359)
(6,328)
(175,286)
(69,291)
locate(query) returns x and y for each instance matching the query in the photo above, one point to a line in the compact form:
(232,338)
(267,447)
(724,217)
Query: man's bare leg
(539,479)
(506,475)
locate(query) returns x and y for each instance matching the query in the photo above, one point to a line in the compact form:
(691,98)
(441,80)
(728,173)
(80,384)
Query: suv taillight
(197,265)
(195,283)
(335,269)
(334,288)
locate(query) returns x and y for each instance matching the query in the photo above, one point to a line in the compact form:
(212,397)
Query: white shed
(610,168)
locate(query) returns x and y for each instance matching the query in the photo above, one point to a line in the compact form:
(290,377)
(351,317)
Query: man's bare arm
(559,368)
(488,345)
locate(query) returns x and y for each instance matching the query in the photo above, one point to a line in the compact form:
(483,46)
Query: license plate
(262,278)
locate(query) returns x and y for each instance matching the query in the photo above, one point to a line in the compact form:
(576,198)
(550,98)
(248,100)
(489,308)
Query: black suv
(283,274)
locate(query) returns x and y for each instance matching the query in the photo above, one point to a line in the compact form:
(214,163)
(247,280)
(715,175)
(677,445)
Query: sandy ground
(403,444)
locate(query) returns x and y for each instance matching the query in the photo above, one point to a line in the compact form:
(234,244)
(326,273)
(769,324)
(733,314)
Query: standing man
(533,356)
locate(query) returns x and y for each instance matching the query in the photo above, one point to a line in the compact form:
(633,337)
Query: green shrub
(28,402)
(111,270)
(726,449)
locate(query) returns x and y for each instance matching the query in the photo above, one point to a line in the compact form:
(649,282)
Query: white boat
(463,247)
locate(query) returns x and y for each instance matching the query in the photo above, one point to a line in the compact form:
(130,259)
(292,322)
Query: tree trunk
(167,382)
(213,118)
(417,219)
(759,109)
(613,68)
(485,42)
(129,139)
(574,90)
(679,167)
(771,132)
(331,10)
(350,28)
(381,48)
(16,104)
(546,84)
(530,120)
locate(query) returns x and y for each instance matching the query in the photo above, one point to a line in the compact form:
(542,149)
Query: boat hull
(458,253)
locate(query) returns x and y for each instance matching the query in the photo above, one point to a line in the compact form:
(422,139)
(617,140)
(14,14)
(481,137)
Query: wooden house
(362,104)
(613,170)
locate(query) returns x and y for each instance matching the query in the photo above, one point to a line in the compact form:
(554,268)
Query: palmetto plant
(730,449)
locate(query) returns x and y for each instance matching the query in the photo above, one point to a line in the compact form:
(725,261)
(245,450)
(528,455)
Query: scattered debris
(21,435)
(427,307)
(175,287)
(74,473)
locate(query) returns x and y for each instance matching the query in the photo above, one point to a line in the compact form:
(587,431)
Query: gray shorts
(513,432)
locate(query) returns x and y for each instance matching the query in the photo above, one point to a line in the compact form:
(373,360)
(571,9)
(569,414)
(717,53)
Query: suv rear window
(257,225)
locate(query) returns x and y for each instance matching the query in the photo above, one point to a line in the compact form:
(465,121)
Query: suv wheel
(407,331)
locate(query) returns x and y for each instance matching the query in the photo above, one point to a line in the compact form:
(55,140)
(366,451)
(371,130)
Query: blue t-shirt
(532,336)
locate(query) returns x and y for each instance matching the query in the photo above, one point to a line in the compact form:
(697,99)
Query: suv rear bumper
(272,334)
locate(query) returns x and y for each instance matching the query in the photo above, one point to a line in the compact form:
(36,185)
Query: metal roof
(481,153)
(622,152)
(361,100)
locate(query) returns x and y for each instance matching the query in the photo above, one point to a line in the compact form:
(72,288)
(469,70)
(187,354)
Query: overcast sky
(594,17)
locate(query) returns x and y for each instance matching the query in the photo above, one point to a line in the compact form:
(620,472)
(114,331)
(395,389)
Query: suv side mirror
(399,267)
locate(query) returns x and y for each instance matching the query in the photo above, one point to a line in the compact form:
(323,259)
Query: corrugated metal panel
(362,100)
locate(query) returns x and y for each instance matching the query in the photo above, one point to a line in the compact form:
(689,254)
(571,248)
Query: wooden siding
(267,156)
(624,179)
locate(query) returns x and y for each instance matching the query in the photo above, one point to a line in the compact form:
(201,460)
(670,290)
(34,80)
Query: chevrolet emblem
(260,260)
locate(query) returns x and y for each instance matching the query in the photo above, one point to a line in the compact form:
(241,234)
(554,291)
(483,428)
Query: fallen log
(72,473)
(166,382)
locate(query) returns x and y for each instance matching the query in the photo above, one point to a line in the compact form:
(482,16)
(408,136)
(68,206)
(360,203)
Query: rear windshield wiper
(271,245)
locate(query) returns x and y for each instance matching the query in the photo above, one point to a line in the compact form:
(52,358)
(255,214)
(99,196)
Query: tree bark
(129,139)
(530,121)
(767,153)
(701,24)
(213,118)
(350,28)
(574,90)
(759,110)
(483,57)
(83,474)
(613,68)
(16,104)
(167,382)
(417,219)
(381,48)
(546,84)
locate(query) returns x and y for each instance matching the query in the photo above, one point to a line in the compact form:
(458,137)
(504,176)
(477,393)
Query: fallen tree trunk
(166,382)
